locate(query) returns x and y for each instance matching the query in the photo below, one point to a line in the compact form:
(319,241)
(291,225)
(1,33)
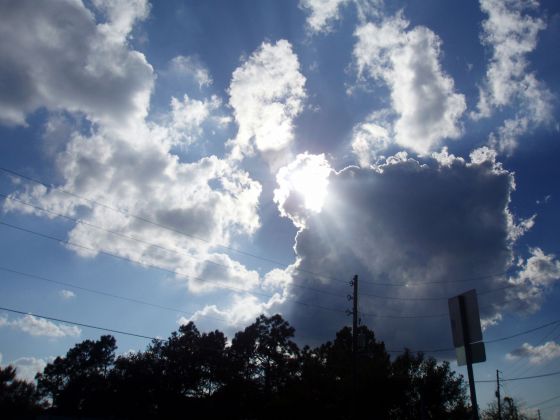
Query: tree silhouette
(78,383)
(18,399)
(263,361)
(262,375)
(510,411)
(428,390)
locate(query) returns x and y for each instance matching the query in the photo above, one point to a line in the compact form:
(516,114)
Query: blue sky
(224,159)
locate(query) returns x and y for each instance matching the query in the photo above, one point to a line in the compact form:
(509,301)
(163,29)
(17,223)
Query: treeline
(263,374)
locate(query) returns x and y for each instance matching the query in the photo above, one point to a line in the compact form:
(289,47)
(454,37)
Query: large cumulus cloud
(419,229)
(57,55)
(427,109)
(79,60)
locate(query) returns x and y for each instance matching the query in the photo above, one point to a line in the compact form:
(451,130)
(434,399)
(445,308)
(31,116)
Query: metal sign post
(467,336)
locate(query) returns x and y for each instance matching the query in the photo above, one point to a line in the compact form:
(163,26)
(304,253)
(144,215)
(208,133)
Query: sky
(181,161)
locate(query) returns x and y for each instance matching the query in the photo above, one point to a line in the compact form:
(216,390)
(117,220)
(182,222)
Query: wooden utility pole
(498,394)
(354,283)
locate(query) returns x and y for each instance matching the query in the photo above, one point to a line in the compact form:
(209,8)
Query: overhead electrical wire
(144,219)
(151,244)
(540,327)
(100,292)
(440,350)
(80,324)
(522,378)
(544,402)
(230,248)
(518,368)
(177,252)
(177,273)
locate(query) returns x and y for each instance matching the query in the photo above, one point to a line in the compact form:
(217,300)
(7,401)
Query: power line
(517,367)
(438,298)
(540,327)
(152,222)
(508,337)
(544,402)
(176,251)
(99,292)
(230,248)
(80,324)
(522,378)
(177,273)
(122,235)
(437,350)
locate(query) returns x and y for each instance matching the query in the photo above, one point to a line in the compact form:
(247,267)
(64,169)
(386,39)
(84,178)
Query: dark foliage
(510,411)
(18,399)
(263,374)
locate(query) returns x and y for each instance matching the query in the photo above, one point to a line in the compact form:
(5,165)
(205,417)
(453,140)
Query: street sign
(472,318)
(478,353)
(467,336)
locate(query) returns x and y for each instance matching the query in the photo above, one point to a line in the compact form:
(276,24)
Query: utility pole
(498,394)
(354,312)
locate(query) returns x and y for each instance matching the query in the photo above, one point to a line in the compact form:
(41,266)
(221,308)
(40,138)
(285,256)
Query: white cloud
(266,94)
(188,117)
(511,33)
(536,276)
(302,187)
(277,279)
(41,327)
(208,199)
(491,321)
(67,294)
(243,310)
(121,16)
(422,95)
(442,219)
(55,55)
(133,167)
(371,137)
(537,354)
(191,67)
(28,367)
(135,172)
(322,13)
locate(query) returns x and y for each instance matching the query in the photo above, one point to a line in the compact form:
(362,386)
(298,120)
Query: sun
(308,175)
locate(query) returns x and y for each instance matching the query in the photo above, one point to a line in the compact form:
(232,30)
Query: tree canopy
(262,374)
